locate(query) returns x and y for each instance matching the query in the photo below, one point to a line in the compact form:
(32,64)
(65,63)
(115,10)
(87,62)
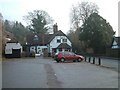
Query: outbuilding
(13,49)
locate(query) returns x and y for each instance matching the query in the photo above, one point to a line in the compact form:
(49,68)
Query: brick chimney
(55,28)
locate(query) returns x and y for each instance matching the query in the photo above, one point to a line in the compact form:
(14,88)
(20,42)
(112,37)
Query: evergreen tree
(96,33)
(39,21)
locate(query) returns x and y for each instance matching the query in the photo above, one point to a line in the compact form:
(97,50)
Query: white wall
(10,46)
(115,45)
(38,48)
(32,48)
(54,44)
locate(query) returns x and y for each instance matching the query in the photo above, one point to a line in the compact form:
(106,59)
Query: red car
(68,56)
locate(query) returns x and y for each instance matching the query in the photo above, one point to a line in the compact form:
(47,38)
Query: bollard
(85,58)
(89,59)
(93,60)
(99,61)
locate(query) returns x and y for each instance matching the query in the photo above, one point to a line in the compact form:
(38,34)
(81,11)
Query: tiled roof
(64,45)
(9,35)
(13,40)
(42,38)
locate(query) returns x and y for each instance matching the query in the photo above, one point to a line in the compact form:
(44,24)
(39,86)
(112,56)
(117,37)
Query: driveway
(46,73)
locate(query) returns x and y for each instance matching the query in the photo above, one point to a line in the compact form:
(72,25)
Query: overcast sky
(59,10)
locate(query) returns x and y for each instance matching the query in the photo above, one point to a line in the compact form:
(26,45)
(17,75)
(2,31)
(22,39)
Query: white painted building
(116,43)
(37,49)
(60,40)
(13,49)
(53,43)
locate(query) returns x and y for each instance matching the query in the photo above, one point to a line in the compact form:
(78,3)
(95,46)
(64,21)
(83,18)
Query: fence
(113,52)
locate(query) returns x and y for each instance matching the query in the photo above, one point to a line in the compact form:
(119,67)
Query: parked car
(68,56)
(54,55)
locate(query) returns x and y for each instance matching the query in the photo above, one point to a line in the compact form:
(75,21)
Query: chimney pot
(55,28)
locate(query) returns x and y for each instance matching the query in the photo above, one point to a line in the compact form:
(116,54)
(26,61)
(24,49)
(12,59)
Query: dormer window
(35,37)
(64,40)
(58,40)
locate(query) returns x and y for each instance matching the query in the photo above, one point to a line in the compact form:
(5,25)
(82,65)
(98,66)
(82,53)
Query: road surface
(47,73)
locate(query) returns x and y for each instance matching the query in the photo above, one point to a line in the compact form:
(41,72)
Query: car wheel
(79,59)
(74,60)
(57,61)
(62,59)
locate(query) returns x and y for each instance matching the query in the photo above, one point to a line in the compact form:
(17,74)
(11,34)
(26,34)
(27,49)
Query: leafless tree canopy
(80,12)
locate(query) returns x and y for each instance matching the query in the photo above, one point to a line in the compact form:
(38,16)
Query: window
(64,40)
(32,48)
(60,49)
(58,41)
(71,53)
(35,37)
(38,47)
(66,53)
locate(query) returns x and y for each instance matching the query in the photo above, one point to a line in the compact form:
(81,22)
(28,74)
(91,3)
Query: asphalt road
(47,73)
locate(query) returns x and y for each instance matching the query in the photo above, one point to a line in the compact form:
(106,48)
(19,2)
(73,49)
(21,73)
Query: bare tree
(75,18)
(80,13)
